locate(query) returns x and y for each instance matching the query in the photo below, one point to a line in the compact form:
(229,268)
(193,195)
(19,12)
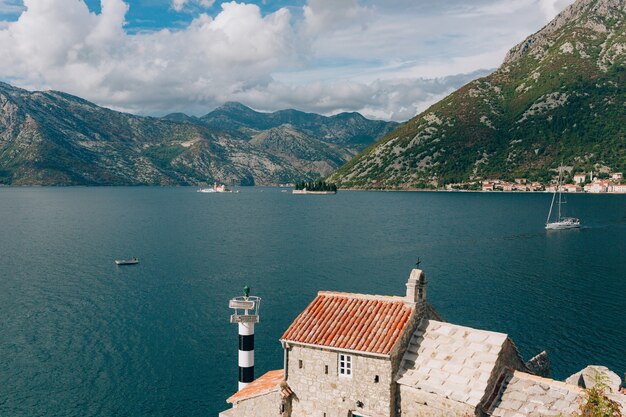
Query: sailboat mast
(557,189)
(560,186)
(551,205)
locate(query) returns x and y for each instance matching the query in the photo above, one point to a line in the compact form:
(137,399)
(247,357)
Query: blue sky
(387,59)
(159,14)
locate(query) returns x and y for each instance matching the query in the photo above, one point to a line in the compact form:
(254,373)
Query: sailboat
(561,222)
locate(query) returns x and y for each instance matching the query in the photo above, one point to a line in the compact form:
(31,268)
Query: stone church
(385,356)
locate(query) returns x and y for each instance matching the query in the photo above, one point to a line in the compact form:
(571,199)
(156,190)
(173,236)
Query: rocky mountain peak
(54,138)
(559,96)
(600,16)
(234,106)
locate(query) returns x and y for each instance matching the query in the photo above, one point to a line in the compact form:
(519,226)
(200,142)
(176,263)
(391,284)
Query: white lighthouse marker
(246,315)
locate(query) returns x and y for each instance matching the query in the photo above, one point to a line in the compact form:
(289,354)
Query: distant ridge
(54,138)
(560,95)
(180,117)
(350,129)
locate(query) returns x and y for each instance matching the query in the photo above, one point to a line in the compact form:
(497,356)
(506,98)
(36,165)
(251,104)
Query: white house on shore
(572,188)
(357,355)
(618,188)
(598,186)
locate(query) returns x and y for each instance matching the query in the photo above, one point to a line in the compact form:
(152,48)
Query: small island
(315,187)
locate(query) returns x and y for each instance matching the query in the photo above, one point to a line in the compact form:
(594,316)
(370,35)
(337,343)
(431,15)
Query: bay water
(80,336)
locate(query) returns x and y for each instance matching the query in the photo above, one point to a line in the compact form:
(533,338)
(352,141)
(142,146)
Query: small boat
(561,222)
(132,261)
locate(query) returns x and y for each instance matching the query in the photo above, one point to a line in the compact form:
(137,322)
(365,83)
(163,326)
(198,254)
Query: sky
(387,59)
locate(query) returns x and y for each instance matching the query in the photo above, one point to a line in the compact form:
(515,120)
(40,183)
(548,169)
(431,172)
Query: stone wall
(398,352)
(322,394)
(403,342)
(419,403)
(509,358)
(266,405)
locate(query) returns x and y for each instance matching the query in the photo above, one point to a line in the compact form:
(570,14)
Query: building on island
(349,355)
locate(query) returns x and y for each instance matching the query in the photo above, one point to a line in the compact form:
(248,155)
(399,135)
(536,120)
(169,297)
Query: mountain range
(559,97)
(53,138)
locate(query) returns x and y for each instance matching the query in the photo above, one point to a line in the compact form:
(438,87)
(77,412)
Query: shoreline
(420,190)
(382,190)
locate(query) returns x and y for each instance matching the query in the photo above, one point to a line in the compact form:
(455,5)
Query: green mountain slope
(53,138)
(560,95)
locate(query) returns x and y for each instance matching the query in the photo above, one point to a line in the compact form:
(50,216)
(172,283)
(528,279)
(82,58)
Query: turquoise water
(80,336)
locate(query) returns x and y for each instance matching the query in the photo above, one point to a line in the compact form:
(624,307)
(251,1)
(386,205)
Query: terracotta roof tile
(265,384)
(358,322)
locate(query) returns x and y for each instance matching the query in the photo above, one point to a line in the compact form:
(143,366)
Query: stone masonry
(264,405)
(318,393)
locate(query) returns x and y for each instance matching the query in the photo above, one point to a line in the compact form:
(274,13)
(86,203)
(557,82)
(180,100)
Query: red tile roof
(263,385)
(371,324)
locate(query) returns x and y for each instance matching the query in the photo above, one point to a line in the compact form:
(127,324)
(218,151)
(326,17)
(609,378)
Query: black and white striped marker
(246,354)
(246,315)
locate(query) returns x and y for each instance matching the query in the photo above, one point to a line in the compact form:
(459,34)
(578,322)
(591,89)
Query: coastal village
(358,355)
(581,183)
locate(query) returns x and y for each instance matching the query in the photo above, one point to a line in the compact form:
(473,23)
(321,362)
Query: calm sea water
(80,336)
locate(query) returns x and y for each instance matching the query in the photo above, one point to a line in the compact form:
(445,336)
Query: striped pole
(246,315)
(246,354)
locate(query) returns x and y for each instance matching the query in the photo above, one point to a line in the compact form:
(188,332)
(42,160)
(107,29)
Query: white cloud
(179,5)
(384,58)
(551,8)
(329,15)
(502,7)
(548,7)
(391,99)
(91,56)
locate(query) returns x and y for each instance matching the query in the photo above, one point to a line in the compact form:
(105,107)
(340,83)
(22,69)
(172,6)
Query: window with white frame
(345,365)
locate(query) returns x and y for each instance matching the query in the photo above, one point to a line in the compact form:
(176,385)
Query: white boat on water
(561,222)
(217,188)
(565,223)
(132,261)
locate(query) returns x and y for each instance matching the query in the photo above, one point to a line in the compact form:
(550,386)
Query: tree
(596,402)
